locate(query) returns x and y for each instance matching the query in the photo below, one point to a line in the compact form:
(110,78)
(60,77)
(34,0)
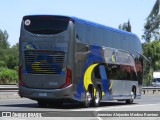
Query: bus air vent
(44,62)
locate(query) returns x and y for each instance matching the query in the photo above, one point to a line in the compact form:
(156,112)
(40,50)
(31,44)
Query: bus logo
(27,22)
(30,46)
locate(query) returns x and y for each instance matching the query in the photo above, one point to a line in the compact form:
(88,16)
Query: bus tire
(88,97)
(133,96)
(129,101)
(97,97)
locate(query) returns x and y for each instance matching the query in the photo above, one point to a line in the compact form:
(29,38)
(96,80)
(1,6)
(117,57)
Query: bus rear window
(45,25)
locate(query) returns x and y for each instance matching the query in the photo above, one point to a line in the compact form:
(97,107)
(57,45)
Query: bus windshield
(45,25)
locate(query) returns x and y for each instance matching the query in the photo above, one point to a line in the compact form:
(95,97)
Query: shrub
(3,64)
(8,76)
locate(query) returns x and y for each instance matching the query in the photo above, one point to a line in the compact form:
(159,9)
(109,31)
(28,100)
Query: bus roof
(104,27)
(87,22)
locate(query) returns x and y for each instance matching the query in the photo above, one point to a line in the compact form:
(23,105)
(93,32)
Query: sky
(106,12)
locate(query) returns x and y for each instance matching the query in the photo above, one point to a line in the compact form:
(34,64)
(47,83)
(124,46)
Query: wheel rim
(88,98)
(132,95)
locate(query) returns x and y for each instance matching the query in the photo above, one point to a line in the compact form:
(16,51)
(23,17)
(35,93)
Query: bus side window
(112,71)
(120,72)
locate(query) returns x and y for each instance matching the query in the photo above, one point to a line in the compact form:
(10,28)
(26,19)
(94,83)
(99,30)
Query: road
(146,103)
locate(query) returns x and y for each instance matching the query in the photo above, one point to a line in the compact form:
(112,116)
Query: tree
(126,26)
(3,39)
(152,25)
(152,50)
(12,57)
(155,9)
(4,45)
(8,60)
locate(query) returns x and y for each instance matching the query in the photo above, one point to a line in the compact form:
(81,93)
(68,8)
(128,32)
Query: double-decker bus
(65,58)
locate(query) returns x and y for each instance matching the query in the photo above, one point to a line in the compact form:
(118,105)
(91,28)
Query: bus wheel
(88,99)
(42,104)
(97,97)
(133,95)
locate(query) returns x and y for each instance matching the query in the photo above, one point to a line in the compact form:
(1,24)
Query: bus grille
(44,62)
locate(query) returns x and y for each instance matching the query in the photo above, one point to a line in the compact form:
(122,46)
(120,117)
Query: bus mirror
(147,68)
(147,65)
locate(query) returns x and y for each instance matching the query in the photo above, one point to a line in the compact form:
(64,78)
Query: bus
(65,58)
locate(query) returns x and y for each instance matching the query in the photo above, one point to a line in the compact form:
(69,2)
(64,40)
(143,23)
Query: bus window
(121,72)
(45,25)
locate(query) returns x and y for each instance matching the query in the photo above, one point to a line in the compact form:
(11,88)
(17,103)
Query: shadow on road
(64,105)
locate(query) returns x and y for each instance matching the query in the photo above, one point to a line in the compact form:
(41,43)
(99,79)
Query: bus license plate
(43,94)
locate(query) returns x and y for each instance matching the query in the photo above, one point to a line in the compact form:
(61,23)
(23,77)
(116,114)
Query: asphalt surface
(146,103)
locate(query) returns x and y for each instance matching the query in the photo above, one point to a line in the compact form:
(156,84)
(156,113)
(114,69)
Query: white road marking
(128,106)
(108,108)
(113,107)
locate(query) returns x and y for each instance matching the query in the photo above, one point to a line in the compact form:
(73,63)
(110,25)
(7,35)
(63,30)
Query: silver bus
(65,58)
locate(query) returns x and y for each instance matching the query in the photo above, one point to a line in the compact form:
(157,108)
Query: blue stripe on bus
(104,27)
(105,82)
(94,56)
